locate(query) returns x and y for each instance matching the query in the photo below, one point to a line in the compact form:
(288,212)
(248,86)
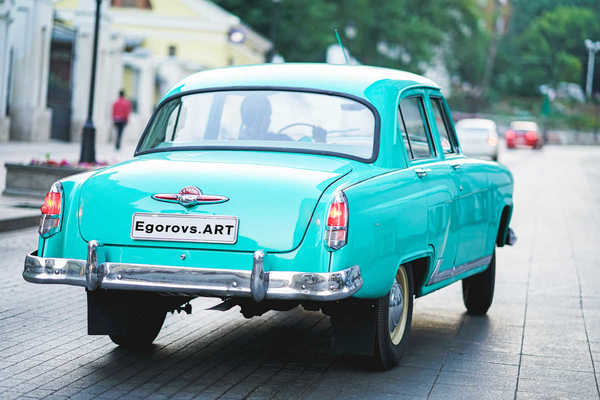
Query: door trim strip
(439,276)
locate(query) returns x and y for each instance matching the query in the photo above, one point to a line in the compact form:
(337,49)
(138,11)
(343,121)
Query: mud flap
(111,312)
(354,328)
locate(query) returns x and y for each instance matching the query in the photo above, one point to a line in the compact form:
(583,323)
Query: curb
(11,224)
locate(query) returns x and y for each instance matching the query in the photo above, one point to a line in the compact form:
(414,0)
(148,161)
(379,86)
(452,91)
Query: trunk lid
(272,198)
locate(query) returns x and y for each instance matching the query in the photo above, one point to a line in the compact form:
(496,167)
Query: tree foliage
(412,33)
(545,44)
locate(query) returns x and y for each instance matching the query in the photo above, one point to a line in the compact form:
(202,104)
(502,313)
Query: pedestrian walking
(120,112)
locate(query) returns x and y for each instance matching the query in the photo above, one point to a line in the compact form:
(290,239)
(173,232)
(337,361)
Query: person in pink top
(120,113)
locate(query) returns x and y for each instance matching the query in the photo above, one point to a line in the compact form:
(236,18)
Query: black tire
(495,157)
(391,345)
(478,290)
(141,330)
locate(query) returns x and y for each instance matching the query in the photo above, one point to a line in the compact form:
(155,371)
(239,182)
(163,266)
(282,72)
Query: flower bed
(34,179)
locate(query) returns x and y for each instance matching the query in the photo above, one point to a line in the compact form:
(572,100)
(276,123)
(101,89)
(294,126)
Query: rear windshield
(264,119)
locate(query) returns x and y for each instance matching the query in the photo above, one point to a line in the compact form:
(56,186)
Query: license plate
(184,228)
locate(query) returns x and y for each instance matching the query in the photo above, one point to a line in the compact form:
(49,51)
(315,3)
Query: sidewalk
(21,212)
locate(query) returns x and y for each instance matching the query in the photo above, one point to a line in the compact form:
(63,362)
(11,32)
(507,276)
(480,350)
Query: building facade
(145,46)
(25,30)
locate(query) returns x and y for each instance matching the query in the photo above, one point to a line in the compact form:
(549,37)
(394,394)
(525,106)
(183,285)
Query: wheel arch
(420,264)
(503,225)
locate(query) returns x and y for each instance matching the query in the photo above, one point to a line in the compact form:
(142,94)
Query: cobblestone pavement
(539,340)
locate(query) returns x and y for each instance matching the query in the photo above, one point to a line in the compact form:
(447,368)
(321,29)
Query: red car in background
(524,133)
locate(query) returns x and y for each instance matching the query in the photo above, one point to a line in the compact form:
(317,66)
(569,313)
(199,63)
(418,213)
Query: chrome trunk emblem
(190,196)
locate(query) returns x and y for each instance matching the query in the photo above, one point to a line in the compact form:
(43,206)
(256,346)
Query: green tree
(525,11)
(545,44)
(302,29)
(552,46)
(411,33)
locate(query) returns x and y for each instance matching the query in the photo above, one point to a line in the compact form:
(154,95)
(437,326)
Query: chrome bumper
(256,283)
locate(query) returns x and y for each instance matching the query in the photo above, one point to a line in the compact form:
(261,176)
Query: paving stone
(583,387)
(566,363)
(444,392)
(550,396)
(478,367)
(489,381)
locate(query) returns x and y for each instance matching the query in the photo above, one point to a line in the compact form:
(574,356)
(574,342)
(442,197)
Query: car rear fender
(387,226)
(67,243)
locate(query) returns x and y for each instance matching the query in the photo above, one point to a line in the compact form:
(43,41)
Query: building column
(143,64)
(6,17)
(30,34)
(114,68)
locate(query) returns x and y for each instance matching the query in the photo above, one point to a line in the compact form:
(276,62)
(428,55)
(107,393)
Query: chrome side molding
(439,276)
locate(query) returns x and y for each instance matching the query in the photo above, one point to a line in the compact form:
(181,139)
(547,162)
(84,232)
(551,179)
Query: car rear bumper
(256,283)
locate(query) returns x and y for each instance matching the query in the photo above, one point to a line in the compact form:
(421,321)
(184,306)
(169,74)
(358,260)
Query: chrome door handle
(421,172)
(456,166)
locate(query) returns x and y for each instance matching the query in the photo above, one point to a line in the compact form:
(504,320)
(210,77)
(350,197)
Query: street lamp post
(592,48)
(88,136)
(274,27)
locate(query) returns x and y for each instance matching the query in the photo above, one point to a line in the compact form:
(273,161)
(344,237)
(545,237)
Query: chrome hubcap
(398,306)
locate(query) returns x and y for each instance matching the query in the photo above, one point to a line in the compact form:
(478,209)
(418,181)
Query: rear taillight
(51,204)
(51,211)
(510,135)
(336,231)
(492,140)
(531,136)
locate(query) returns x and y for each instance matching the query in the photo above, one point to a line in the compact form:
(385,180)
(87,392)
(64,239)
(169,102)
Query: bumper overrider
(257,283)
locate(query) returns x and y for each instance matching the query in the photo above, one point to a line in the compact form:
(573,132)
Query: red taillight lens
(51,204)
(510,135)
(337,222)
(50,221)
(338,214)
(531,136)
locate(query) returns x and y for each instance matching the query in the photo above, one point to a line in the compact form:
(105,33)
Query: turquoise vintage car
(338,188)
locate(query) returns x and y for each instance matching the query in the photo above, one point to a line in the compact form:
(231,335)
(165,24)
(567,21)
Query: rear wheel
(140,331)
(393,320)
(478,290)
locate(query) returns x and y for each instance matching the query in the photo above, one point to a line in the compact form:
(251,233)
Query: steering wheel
(295,124)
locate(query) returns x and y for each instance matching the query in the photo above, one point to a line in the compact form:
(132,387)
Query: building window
(172,50)
(145,4)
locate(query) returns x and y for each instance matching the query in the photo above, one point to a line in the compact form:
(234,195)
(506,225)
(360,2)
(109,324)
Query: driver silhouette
(256,119)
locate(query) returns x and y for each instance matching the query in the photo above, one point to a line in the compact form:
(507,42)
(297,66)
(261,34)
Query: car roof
(476,123)
(350,79)
(524,126)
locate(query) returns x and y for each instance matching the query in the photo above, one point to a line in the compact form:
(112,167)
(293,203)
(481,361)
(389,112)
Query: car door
(472,198)
(439,189)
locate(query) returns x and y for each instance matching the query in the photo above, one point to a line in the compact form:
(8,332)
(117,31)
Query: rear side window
(416,133)
(441,121)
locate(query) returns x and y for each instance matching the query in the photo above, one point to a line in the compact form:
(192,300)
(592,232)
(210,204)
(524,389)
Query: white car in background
(478,137)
